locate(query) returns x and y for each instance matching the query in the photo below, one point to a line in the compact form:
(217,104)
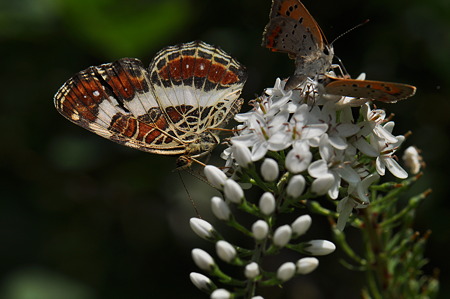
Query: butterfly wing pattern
(170,109)
(293,30)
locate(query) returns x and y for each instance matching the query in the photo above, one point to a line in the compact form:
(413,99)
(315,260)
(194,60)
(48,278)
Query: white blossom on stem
(320,247)
(202,259)
(233,192)
(260,230)
(307,265)
(220,294)
(282,235)
(201,281)
(267,203)
(251,270)
(301,225)
(220,208)
(215,176)
(269,170)
(286,271)
(225,251)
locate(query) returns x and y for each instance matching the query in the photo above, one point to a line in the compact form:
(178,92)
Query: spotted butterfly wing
(121,101)
(387,92)
(293,30)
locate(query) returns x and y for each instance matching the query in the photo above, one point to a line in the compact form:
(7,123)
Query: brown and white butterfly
(292,30)
(172,108)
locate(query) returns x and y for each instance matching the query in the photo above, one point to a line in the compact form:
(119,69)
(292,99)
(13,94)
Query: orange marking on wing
(216,73)
(173,114)
(201,67)
(188,66)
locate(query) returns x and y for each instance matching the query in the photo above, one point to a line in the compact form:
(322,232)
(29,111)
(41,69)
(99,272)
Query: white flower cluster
(267,237)
(321,139)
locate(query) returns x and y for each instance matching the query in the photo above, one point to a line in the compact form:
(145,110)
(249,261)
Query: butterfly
(175,107)
(293,30)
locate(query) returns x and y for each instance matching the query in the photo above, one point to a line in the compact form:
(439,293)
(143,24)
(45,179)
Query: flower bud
(233,192)
(267,203)
(220,209)
(242,154)
(322,184)
(301,225)
(201,281)
(269,170)
(225,251)
(412,159)
(202,259)
(251,270)
(296,186)
(260,229)
(282,236)
(320,247)
(220,294)
(307,265)
(215,176)
(286,271)
(202,228)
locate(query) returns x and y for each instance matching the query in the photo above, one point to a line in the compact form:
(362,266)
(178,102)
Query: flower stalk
(302,155)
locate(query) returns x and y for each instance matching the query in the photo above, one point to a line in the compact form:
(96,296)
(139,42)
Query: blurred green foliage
(87,218)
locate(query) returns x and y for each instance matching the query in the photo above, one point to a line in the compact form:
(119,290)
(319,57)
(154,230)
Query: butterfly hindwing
(377,90)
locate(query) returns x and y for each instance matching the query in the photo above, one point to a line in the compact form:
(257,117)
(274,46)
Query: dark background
(82,217)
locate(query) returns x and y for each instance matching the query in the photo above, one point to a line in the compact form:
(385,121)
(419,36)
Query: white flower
(324,180)
(299,157)
(202,259)
(386,157)
(282,235)
(269,170)
(337,131)
(225,251)
(373,124)
(286,271)
(251,270)
(356,191)
(301,225)
(307,265)
(260,229)
(233,192)
(220,208)
(220,294)
(305,125)
(267,203)
(329,171)
(412,159)
(202,228)
(264,135)
(242,154)
(215,176)
(201,281)
(320,247)
(296,186)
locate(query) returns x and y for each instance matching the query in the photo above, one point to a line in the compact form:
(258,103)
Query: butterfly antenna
(349,30)
(189,195)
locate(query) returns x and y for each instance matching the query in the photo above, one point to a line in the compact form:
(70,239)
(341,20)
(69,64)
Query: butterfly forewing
(122,102)
(292,29)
